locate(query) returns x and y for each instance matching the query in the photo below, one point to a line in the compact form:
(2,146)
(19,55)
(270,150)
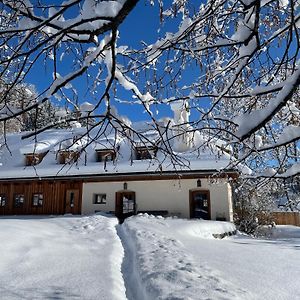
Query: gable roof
(198,158)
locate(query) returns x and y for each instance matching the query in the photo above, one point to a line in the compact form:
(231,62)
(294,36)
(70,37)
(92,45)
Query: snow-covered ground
(179,259)
(153,258)
(60,258)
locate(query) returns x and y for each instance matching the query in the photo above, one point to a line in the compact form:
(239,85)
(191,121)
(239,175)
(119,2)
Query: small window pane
(37,199)
(99,198)
(128,204)
(19,200)
(72,199)
(2,199)
(33,159)
(145,152)
(106,155)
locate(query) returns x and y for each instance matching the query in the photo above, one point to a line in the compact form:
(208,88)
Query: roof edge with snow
(130,176)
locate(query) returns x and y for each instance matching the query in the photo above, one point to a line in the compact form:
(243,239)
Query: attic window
(106,155)
(144,152)
(32,159)
(67,156)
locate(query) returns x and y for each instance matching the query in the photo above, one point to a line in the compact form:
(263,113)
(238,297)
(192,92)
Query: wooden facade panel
(53,192)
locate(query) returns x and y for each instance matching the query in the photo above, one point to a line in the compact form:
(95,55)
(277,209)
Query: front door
(200,205)
(125,205)
(72,200)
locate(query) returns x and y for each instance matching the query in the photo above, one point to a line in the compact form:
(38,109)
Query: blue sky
(141,24)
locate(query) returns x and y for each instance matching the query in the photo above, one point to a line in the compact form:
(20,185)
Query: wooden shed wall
(287,218)
(54,197)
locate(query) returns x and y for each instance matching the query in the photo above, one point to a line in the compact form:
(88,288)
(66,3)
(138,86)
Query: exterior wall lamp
(199,183)
(125,186)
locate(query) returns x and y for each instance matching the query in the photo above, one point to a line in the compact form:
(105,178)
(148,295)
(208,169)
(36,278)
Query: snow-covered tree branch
(231,69)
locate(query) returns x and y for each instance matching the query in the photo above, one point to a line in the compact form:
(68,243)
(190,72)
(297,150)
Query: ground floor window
(37,199)
(2,199)
(99,198)
(19,200)
(128,204)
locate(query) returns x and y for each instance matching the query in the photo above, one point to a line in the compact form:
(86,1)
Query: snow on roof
(106,143)
(12,160)
(72,144)
(148,138)
(38,147)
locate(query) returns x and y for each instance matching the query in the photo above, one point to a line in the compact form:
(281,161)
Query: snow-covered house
(71,171)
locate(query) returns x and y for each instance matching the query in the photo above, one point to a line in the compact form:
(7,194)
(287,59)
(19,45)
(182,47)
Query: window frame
(33,159)
(144,152)
(40,200)
(19,204)
(103,154)
(68,156)
(96,196)
(3,195)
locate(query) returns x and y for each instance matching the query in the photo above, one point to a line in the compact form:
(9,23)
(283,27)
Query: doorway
(125,205)
(72,201)
(200,205)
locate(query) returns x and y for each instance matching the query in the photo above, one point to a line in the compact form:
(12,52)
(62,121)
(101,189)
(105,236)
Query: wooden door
(200,205)
(72,201)
(125,205)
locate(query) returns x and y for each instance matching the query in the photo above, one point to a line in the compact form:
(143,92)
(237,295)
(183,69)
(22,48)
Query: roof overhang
(133,176)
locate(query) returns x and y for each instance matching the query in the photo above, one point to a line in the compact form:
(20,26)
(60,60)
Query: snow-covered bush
(254,203)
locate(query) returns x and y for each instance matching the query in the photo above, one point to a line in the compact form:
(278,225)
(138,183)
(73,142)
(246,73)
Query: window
(2,200)
(128,204)
(145,152)
(19,200)
(37,200)
(68,156)
(32,159)
(99,198)
(106,155)
(72,199)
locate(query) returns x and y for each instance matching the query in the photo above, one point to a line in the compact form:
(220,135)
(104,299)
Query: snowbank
(83,258)
(60,258)
(285,232)
(179,259)
(159,267)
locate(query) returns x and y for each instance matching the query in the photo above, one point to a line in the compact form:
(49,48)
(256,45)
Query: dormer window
(106,155)
(144,152)
(32,159)
(67,156)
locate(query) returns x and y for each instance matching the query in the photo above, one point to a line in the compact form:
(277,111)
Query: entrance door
(125,205)
(72,200)
(200,205)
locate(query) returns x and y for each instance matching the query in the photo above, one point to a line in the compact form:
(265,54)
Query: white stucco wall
(170,195)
